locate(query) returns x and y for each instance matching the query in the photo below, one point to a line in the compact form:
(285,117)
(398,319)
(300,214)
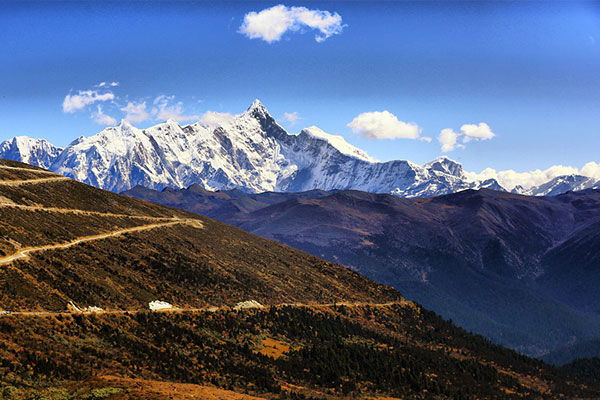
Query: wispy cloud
(135,112)
(214,118)
(107,84)
(75,102)
(272,23)
(166,108)
(383,125)
(99,117)
(292,118)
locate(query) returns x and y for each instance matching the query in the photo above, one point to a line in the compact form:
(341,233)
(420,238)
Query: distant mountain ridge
(251,152)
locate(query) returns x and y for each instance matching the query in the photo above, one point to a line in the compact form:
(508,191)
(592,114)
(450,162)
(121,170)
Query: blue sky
(530,71)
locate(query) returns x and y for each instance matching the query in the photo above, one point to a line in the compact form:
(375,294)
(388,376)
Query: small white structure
(157,305)
(247,304)
(73,307)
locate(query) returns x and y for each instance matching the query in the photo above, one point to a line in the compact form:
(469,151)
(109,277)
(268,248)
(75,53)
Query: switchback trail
(39,171)
(33,181)
(25,252)
(82,212)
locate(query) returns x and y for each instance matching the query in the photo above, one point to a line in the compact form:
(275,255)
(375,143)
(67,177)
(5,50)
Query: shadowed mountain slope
(521,270)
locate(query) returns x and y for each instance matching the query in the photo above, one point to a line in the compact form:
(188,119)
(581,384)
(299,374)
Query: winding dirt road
(40,171)
(33,181)
(26,251)
(82,212)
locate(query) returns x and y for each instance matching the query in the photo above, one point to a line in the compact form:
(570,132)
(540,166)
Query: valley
(488,260)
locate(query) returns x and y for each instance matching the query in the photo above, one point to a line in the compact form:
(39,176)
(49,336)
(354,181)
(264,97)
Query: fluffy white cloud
(99,117)
(448,139)
(271,23)
(591,169)
(83,98)
(468,132)
(164,109)
(214,118)
(292,118)
(136,112)
(383,125)
(481,131)
(509,178)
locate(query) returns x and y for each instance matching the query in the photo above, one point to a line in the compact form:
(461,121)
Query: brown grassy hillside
(325,333)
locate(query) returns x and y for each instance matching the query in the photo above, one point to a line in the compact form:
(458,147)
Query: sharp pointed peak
(257,107)
(256,104)
(125,123)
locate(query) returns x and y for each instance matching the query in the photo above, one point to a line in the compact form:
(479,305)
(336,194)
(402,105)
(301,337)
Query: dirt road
(33,181)
(25,252)
(205,309)
(39,171)
(82,212)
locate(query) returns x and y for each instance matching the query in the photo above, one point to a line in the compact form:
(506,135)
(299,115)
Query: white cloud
(100,118)
(136,112)
(468,132)
(591,169)
(481,131)
(76,102)
(214,118)
(165,110)
(509,178)
(383,125)
(272,23)
(448,139)
(107,84)
(292,118)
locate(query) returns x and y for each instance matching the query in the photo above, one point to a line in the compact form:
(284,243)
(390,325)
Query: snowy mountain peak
(337,142)
(38,152)
(562,184)
(257,110)
(125,124)
(445,165)
(257,104)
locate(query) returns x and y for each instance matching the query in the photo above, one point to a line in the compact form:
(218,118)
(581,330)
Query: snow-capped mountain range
(251,152)
(38,152)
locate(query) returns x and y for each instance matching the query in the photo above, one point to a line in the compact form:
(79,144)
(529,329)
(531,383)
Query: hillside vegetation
(320,331)
(521,270)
